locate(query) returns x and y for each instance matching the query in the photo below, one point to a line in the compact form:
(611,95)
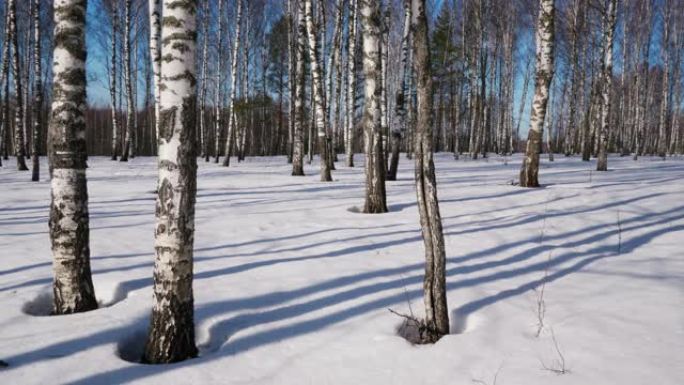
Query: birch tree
(318,90)
(128,80)
(333,61)
(205,79)
(665,97)
(113,74)
(217,86)
(172,331)
(69,220)
(299,87)
(351,83)
(376,200)
(434,284)
(37,93)
(399,128)
(544,73)
(19,144)
(155,33)
(607,66)
(233,86)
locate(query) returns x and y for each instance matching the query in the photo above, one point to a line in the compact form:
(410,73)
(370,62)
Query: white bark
(233,86)
(318,90)
(69,220)
(155,55)
(544,73)
(609,30)
(172,330)
(376,200)
(351,83)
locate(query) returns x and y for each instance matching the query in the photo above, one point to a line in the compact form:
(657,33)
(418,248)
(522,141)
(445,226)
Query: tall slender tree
(233,86)
(318,89)
(113,74)
(529,172)
(19,143)
(299,87)
(609,21)
(69,220)
(37,93)
(434,283)
(155,56)
(351,83)
(172,331)
(128,149)
(376,199)
(217,85)
(399,128)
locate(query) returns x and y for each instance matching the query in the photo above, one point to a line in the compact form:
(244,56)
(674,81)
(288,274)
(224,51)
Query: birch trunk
(155,55)
(291,63)
(399,129)
(434,284)
(351,83)
(665,98)
(318,94)
(172,331)
(217,87)
(37,93)
(69,220)
(608,32)
(233,86)
(112,83)
(4,81)
(333,59)
(203,90)
(376,199)
(544,73)
(130,104)
(19,145)
(300,85)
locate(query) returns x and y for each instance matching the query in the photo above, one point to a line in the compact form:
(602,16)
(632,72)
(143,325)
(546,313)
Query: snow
(292,286)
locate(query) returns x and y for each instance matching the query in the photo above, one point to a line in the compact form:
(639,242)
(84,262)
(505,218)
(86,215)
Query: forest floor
(293,285)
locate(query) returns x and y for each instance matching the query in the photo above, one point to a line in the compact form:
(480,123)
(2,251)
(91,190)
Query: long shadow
(239,322)
(227,328)
(136,284)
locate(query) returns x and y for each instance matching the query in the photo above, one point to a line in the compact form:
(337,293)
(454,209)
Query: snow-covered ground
(292,286)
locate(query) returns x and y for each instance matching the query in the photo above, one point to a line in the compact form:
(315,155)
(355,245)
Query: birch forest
(295,191)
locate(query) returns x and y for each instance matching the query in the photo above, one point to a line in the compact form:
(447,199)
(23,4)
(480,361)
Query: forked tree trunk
(608,32)
(529,171)
(172,331)
(37,93)
(299,89)
(376,199)
(434,284)
(351,83)
(318,90)
(19,144)
(233,86)
(399,129)
(69,221)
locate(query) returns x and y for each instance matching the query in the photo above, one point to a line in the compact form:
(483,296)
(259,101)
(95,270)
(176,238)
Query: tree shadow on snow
(231,335)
